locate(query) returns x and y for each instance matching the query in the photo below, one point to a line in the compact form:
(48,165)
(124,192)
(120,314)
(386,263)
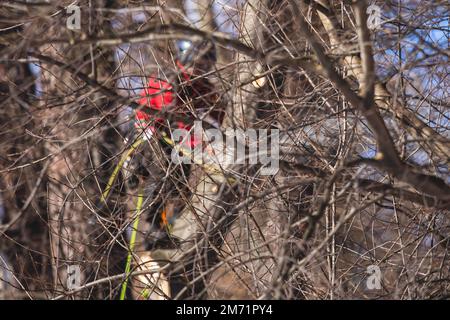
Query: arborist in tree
(169,101)
(181,99)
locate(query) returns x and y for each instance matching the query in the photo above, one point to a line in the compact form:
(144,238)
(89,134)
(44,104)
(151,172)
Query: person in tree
(167,103)
(174,102)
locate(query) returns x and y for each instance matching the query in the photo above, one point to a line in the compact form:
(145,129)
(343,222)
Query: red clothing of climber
(159,95)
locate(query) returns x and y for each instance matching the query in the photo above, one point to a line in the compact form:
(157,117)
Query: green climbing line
(140,200)
(119,166)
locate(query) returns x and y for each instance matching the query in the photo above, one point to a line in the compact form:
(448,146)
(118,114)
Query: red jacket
(159,95)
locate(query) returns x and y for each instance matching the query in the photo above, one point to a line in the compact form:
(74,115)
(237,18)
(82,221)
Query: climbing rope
(123,159)
(140,200)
